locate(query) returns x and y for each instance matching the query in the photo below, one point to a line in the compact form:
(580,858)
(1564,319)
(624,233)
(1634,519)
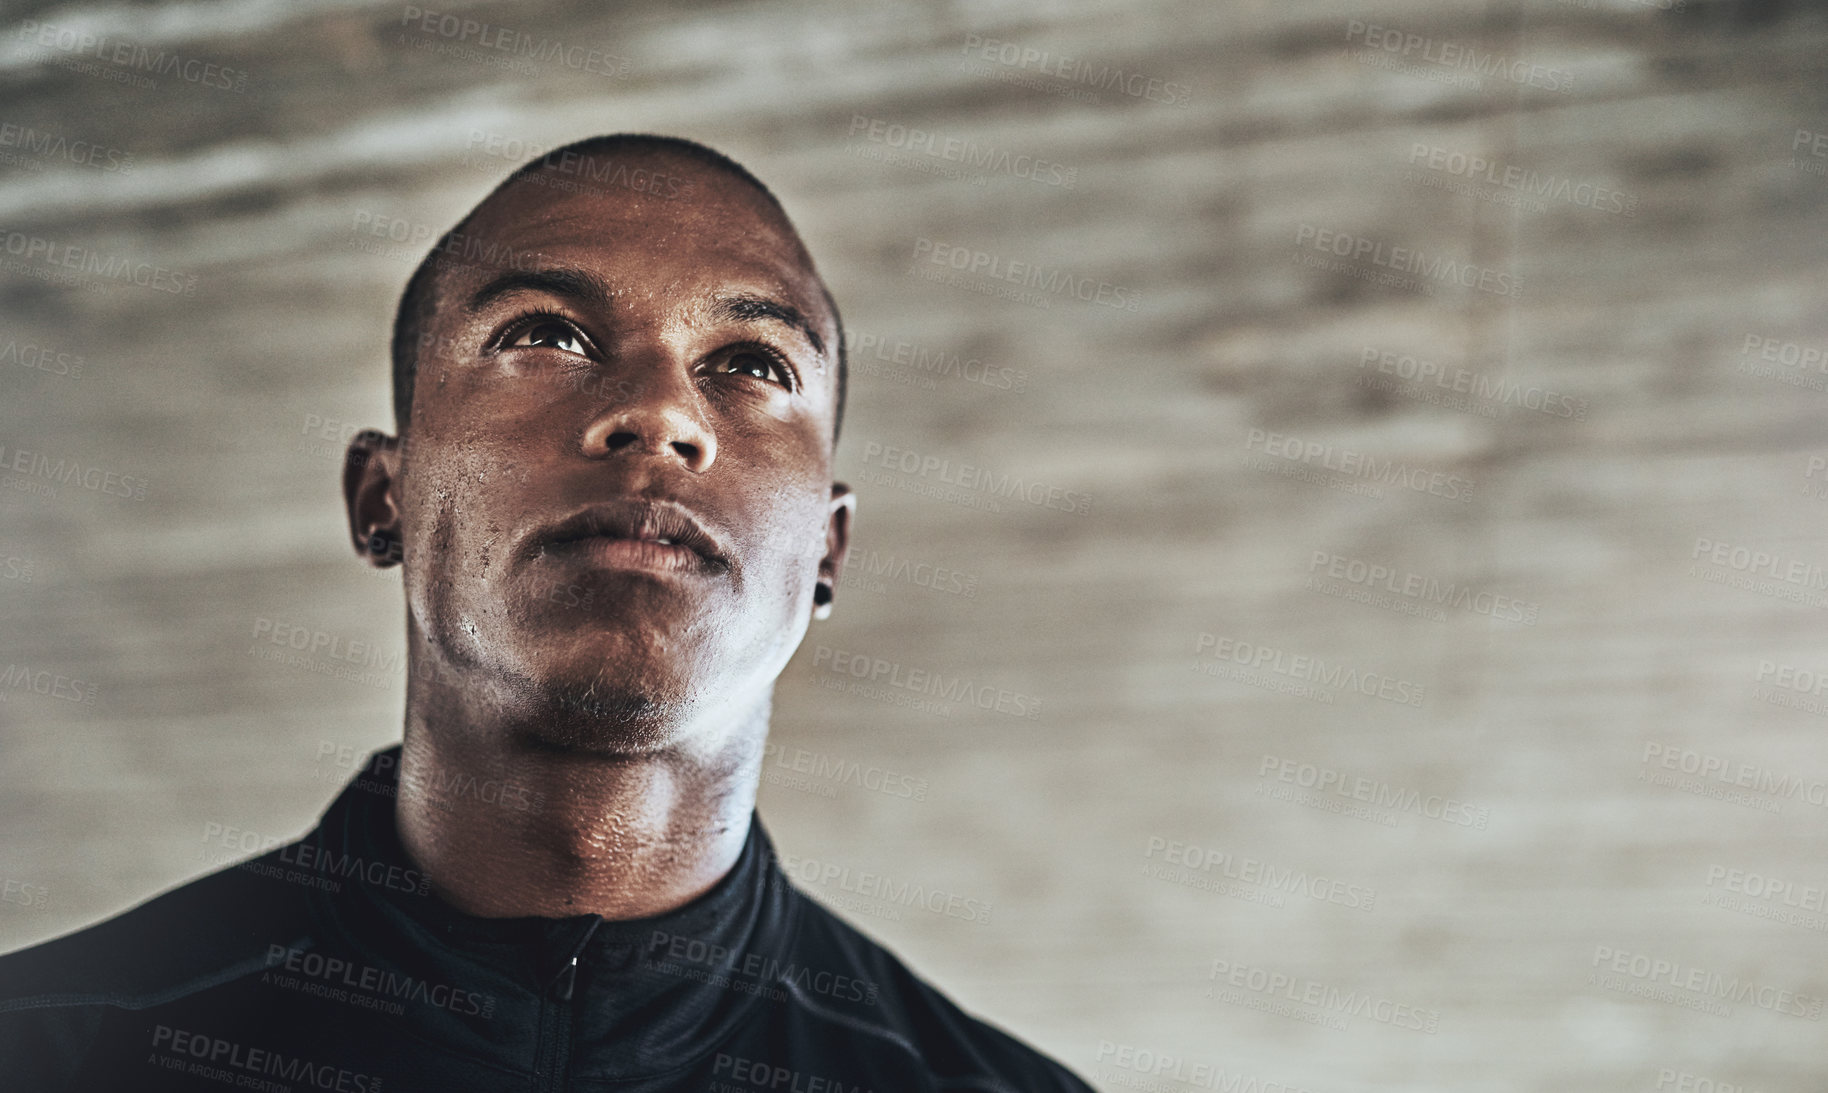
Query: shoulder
(56,995)
(194,936)
(962,1051)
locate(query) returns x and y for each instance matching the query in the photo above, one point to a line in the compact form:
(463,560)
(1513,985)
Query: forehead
(649,224)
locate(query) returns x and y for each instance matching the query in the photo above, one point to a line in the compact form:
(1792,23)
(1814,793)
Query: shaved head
(581,164)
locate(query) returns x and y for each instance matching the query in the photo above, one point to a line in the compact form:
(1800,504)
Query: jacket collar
(642,995)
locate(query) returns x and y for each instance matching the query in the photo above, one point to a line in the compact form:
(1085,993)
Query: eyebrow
(746,307)
(575,284)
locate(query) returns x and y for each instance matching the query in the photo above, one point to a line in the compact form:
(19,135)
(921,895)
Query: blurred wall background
(1395,665)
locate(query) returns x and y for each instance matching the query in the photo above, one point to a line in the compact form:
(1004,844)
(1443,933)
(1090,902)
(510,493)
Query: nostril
(627,435)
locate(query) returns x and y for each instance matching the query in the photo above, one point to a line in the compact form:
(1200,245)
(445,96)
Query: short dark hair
(420,299)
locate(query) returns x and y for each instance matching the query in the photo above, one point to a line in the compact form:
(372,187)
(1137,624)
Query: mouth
(636,534)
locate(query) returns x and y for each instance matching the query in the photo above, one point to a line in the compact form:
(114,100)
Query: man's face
(638,354)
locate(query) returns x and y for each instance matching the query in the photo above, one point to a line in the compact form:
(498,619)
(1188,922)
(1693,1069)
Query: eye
(758,361)
(547,332)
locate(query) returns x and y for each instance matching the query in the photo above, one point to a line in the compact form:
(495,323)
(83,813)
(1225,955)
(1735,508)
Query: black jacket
(327,964)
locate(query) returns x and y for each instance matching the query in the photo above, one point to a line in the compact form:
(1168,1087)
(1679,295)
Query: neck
(507,824)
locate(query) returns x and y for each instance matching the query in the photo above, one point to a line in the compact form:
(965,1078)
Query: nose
(657,416)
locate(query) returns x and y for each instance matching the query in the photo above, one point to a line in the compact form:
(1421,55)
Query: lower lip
(642,554)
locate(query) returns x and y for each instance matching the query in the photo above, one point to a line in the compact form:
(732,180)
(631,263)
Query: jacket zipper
(554,1030)
(555,1019)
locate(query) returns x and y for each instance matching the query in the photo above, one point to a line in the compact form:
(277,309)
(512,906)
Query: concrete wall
(1455,490)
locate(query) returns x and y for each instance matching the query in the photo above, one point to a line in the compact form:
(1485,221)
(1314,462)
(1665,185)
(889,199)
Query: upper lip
(637,518)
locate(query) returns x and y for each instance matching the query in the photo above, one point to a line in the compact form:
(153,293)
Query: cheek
(789,540)
(464,500)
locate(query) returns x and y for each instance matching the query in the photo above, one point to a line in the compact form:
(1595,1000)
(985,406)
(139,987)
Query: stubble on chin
(597,716)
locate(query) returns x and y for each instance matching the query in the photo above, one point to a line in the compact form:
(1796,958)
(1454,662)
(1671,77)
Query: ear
(371,472)
(837,545)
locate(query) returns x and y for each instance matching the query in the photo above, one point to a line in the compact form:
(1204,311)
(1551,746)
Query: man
(618,385)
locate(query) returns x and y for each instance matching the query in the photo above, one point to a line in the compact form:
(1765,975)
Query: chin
(597,718)
(605,697)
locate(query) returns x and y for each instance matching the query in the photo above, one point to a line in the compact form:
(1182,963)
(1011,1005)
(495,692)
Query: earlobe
(837,546)
(369,475)
(383,548)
